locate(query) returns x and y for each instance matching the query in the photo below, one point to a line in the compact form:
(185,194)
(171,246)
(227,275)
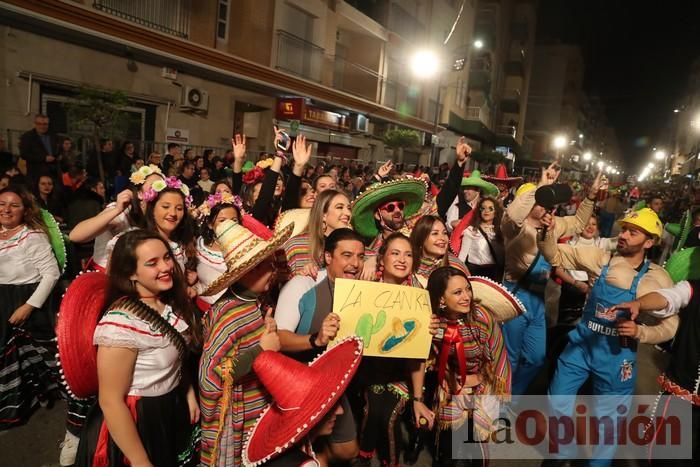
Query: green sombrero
(474,179)
(58,244)
(409,190)
(684,265)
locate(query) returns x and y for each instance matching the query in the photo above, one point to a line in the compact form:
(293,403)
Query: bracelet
(418,399)
(312,341)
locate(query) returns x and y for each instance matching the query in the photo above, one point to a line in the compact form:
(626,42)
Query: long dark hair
(498,214)
(183,233)
(437,285)
(123,264)
(32,211)
(420,233)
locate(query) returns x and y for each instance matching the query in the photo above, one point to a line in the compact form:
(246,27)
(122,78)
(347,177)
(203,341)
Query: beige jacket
(620,274)
(520,237)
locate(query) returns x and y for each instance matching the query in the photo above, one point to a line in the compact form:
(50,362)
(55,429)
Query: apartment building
(500,71)
(684,129)
(198,71)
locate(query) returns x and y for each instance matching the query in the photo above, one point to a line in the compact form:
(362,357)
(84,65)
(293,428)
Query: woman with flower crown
(125,213)
(217,208)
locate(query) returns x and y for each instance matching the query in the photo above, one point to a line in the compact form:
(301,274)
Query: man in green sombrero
(473,187)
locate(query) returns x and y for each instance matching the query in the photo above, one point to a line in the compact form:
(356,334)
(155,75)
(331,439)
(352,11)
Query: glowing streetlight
(580,135)
(675,111)
(650,165)
(425,64)
(559,142)
(587,156)
(659,155)
(478,44)
(600,165)
(608,170)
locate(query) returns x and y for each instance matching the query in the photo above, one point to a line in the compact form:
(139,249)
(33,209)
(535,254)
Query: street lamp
(478,44)
(650,165)
(425,64)
(559,142)
(659,155)
(587,156)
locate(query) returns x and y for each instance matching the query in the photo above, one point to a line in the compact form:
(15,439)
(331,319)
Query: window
(222,21)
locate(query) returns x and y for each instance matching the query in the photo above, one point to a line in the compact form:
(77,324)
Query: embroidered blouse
(157,369)
(210,265)
(100,255)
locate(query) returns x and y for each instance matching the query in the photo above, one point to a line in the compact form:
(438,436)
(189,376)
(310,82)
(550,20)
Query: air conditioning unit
(194,99)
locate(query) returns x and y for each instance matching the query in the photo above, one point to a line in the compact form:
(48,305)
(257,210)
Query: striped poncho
(229,408)
(298,252)
(485,355)
(428,265)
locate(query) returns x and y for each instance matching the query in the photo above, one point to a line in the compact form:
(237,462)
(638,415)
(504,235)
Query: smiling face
(391,214)
(591,230)
(470,193)
(457,298)
(346,260)
(338,214)
(154,268)
(168,212)
(435,244)
(397,261)
(279,187)
(307,196)
(11,210)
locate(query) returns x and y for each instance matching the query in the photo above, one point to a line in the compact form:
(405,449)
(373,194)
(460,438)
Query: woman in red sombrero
(147,413)
(305,400)
(505,183)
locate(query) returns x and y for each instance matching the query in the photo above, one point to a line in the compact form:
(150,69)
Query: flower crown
(170,182)
(139,177)
(204,210)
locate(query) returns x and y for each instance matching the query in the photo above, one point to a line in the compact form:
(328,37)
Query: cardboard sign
(392,320)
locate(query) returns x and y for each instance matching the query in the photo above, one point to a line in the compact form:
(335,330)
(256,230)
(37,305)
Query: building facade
(197,72)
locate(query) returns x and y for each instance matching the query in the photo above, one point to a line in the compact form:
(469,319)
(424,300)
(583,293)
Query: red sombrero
(492,296)
(79,313)
(456,237)
(302,395)
(502,177)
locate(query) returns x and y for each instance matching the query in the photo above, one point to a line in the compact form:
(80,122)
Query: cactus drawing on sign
(366,326)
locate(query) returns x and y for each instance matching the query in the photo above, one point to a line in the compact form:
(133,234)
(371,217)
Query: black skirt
(28,369)
(163,426)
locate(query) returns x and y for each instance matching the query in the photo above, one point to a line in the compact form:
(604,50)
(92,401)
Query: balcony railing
(298,56)
(478,113)
(168,16)
(356,79)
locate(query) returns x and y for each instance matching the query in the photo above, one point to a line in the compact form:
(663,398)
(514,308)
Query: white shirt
(210,265)
(117,225)
(157,369)
(27,258)
(677,297)
(476,248)
(287,313)
(206,185)
(453,211)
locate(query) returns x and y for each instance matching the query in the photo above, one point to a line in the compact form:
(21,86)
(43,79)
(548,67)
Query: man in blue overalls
(595,349)
(526,273)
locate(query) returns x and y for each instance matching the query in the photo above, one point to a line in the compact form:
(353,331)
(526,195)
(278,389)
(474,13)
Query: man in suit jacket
(37,148)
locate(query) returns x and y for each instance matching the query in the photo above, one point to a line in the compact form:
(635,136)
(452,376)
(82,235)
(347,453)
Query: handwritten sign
(392,320)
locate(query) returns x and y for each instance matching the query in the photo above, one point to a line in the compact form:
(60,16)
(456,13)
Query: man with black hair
(343,254)
(37,147)
(174,152)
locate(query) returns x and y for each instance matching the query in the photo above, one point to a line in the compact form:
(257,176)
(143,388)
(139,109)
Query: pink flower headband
(203,211)
(170,182)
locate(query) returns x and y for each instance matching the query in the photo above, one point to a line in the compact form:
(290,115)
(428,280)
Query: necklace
(243,299)
(5,231)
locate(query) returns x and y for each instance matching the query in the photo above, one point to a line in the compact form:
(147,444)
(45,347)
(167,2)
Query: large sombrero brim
(298,217)
(58,244)
(510,181)
(78,315)
(277,430)
(492,296)
(409,190)
(456,236)
(684,265)
(487,188)
(251,259)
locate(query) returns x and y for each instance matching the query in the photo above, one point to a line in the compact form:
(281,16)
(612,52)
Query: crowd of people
(207,289)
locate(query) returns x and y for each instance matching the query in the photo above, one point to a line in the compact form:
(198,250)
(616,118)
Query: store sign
(177,135)
(297,109)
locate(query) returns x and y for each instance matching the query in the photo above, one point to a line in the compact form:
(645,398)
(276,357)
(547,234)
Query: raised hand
(600,183)
(124,200)
(463,150)
(301,151)
(385,168)
(239,147)
(550,174)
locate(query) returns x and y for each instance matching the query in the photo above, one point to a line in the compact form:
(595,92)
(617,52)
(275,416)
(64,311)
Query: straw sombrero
(502,177)
(243,250)
(58,244)
(302,395)
(684,265)
(474,180)
(78,315)
(492,296)
(298,217)
(409,190)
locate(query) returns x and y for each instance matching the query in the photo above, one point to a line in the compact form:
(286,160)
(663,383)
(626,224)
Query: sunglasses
(487,209)
(389,207)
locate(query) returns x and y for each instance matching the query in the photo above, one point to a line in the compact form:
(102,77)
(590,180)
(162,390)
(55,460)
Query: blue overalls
(594,350)
(526,335)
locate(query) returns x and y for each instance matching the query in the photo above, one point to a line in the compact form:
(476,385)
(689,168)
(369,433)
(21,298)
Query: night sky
(637,56)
